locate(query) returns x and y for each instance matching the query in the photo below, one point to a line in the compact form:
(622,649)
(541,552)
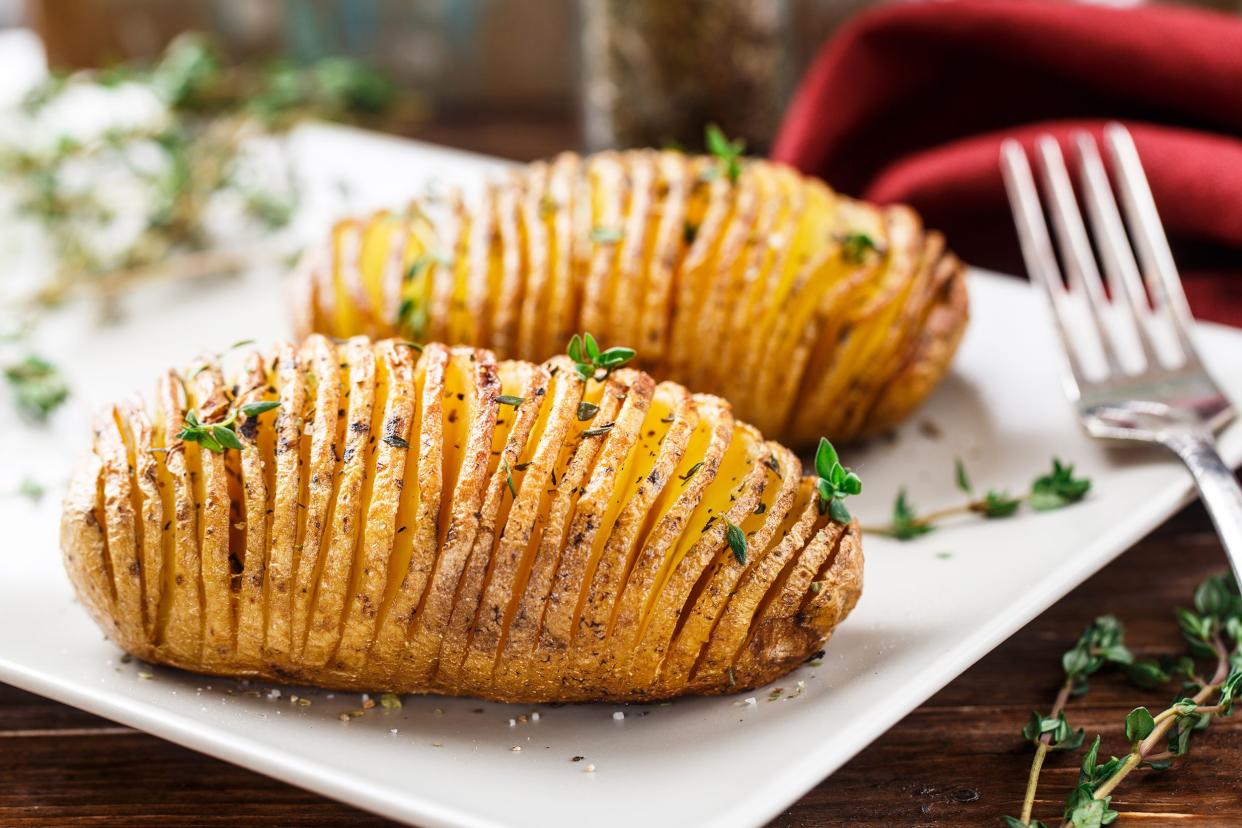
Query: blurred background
(605,72)
(602,71)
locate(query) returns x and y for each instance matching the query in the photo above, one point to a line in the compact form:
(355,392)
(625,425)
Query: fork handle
(1218,487)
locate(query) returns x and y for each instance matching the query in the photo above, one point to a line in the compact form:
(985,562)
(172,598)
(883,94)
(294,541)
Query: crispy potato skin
(814,314)
(434,521)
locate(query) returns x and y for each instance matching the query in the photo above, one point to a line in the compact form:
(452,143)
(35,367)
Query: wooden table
(957,760)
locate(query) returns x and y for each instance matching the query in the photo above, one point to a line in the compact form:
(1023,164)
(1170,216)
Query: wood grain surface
(957,760)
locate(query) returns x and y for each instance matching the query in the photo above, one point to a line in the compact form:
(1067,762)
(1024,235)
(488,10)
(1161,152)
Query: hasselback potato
(380,516)
(812,313)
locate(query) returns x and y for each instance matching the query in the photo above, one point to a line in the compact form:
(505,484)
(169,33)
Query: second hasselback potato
(375,516)
(812,313)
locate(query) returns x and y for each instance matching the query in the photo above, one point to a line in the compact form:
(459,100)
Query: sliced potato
(802,307)
(440,522)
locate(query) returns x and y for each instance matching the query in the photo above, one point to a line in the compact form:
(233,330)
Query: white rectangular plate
(930,607)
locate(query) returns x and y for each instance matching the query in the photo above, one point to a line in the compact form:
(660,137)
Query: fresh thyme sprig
(592,363)
(835,482)
(728,153)
(1213,632)
(857,245)
(38,387)
(222,435)
(1053,490)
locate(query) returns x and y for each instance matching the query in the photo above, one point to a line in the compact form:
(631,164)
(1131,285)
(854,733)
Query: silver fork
(1126,386)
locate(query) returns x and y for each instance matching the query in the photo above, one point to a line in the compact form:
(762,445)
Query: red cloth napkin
(910,103)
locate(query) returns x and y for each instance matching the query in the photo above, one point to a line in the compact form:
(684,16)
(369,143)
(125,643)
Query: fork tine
(1075,246)
(1041,261)
(1119,265)
(1149,237)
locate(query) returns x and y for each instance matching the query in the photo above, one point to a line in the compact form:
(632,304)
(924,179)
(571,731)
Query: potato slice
(508,313)
(418,518)
(388,435)
(715,666)
(209,483)
(182,631)
(671,420)
(122,543)
(326,435)
(671,520)
(471,388)
(758,527)
(557,208)
(593,518)
(733,496)
(516,667)
(535,478)
(137,431)
(514,425)
(332,582)
(288,508)
(931,351)
(257,455)
(609,194)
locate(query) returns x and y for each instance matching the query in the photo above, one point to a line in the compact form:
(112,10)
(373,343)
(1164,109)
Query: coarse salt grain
(516,748)
(589,769)
(393,731)
(534,717)
(618,715)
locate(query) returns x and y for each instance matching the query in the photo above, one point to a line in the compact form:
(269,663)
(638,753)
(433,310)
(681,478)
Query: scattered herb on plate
(1054,490)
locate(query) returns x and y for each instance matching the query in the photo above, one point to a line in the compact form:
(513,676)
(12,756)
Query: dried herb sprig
(590,362)
(1213,632)
(1057,488)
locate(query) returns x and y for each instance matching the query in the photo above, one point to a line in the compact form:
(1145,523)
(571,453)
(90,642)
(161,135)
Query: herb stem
(1165,720)
(931,518)
(1041,750)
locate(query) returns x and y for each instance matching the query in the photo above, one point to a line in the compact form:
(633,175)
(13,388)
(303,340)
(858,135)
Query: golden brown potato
(814,314)
(379,516)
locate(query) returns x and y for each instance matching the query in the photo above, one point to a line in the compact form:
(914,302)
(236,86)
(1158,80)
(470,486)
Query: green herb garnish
(597,431)
(737,541)
(856,245)
(1213,631)
(1054,490)
(605,235)
(509,399)
(222,435)
(592,363)
(395,441)
(504,466)
(835,482)
(586,411)
(728,153)
(38,387)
